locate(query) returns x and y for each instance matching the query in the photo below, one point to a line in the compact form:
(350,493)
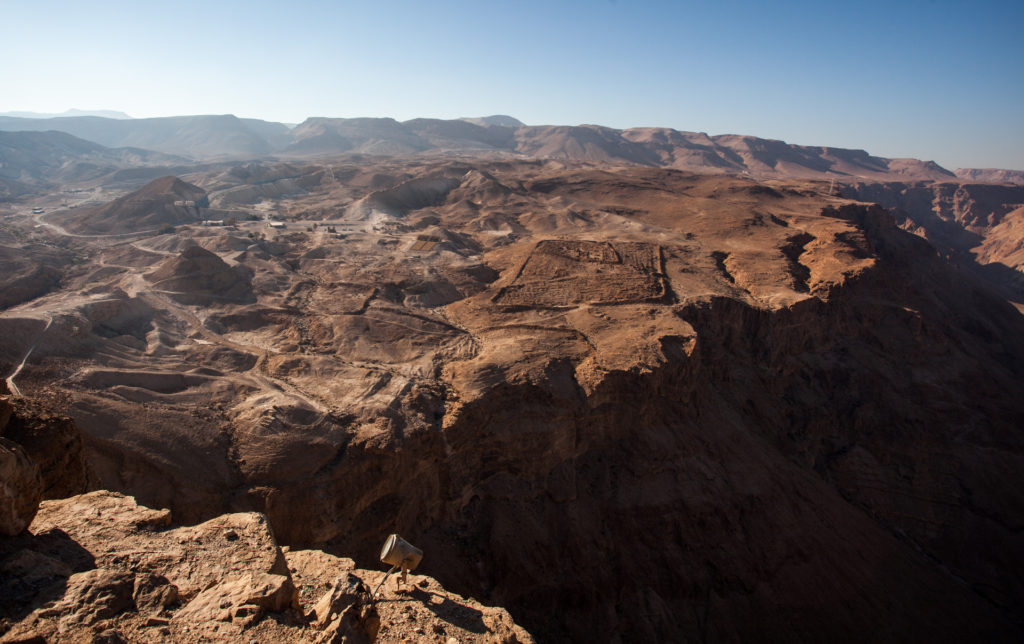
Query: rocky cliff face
(52,441)
(978,225)
(40,458)
(816,462)
(98,567)
(824,460)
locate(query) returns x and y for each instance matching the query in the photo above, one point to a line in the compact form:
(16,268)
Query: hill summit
(163,201)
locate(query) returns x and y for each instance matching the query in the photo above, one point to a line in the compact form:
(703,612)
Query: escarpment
(811,459)
(977,225)
(805,458)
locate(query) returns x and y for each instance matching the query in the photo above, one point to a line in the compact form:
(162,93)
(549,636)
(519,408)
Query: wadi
(618,385)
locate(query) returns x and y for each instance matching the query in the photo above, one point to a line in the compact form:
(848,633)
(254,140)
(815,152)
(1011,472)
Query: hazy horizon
(933,80)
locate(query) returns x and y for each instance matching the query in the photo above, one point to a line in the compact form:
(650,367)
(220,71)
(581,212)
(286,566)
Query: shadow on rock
(34,570)
(450,611)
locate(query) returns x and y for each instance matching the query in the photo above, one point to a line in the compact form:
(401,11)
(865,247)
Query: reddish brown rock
(20,488)
(6,408)
(54,443)
(93,596)
(153,592)
(243,599)
(235,584)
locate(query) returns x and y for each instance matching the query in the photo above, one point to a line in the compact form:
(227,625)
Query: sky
(938,80)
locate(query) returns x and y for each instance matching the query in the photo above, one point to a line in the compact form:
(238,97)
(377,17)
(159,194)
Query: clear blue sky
(938,79)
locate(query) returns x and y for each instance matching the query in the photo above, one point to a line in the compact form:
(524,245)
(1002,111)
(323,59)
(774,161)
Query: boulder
(344,592)
(6,408)
(116,529)
(241,599)
(358,623)
(94,595)
(20,488)
(52,441)
(109,636)
(153,593)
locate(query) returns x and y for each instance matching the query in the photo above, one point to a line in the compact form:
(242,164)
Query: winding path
(13,388)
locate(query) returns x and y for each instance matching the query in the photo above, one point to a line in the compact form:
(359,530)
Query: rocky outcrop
(20,488)
(52,441)
(92,596)
(99,563)
(978,226)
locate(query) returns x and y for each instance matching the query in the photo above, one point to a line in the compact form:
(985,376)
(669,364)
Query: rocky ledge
(98,567)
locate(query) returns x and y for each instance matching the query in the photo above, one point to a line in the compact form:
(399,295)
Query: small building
(213,222)
(276,225)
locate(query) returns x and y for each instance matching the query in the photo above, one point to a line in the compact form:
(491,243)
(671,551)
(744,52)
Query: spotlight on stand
(401,555)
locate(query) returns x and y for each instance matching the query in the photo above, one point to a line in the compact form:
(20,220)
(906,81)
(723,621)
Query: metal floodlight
(401,555)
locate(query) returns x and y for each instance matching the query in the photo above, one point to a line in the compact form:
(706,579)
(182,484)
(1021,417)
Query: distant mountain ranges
(32,159)
(110,114)
(227,137)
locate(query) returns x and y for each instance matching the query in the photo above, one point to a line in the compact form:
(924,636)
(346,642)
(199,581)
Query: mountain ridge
(113,114)
(29,160)
(206,137)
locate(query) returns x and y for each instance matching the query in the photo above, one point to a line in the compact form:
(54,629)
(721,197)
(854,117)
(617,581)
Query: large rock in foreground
(101,564)
(20,488)
(51,440)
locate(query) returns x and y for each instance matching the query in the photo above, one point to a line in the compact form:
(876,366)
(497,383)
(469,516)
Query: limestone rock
(94,595)
(100,568)
(359,623)
(20,488)
(273,593)
(317,572)
(242,599)
(253,550)
(422,607)
(153,592)
(346,613)
(54,443)
(192,558)
(6,408)
(109,636)
(345,592)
